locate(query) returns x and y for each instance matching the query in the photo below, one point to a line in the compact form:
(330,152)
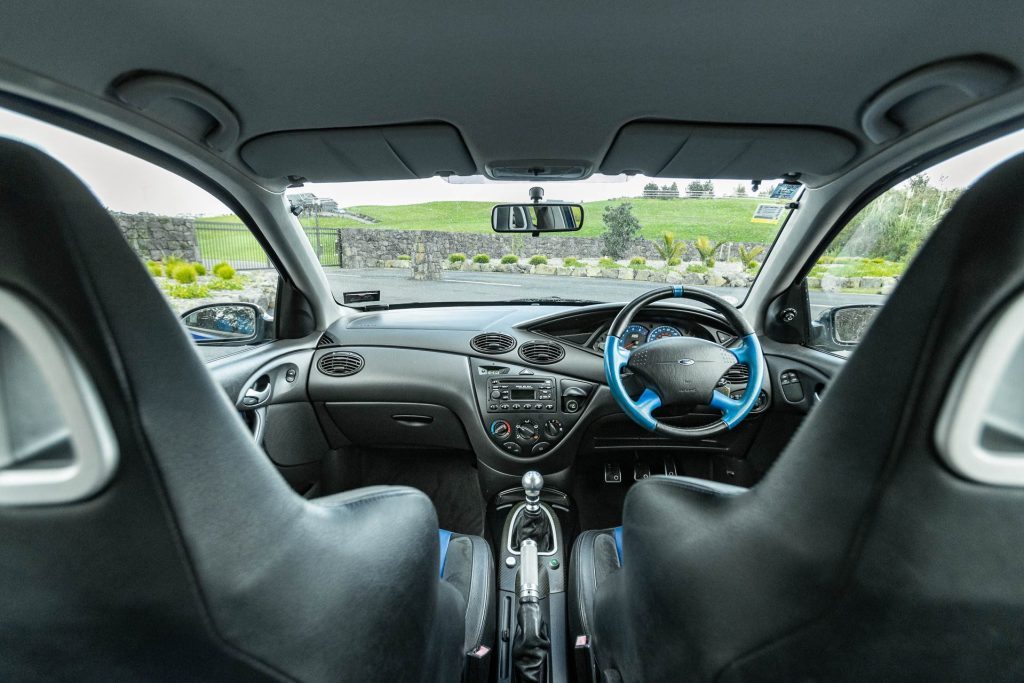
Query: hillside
(725,219)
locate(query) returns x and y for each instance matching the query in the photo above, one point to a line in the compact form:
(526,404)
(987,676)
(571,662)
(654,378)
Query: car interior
(686,483)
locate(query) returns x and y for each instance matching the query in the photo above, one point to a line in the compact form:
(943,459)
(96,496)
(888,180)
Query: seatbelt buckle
(478,665)
(583,655)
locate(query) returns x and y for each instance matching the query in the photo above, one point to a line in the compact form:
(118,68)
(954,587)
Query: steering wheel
(682,370)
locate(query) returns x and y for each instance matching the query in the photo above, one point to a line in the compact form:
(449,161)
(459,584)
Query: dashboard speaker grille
(340,363)
(542,353)
(737,374)
(492,342)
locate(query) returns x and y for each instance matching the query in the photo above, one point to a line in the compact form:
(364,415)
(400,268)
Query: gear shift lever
(533,482)
(531,523)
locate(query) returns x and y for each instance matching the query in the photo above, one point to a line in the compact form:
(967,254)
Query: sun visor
(684,150)
(374,153)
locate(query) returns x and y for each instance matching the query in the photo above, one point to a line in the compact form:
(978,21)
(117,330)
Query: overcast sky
(124,183)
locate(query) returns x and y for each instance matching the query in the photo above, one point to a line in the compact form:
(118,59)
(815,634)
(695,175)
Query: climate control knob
(527,431)
(501,429)
(552,429)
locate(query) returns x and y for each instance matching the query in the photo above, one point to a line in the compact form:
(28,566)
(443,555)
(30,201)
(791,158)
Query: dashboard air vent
(325,340)
(340,363)
(492,342)
(542,353)
(737,374)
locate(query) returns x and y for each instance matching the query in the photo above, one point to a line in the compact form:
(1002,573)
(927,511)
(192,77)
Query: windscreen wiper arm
(557,300)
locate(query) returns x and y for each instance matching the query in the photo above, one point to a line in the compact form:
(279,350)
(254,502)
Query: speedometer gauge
(634,336)
(662,332)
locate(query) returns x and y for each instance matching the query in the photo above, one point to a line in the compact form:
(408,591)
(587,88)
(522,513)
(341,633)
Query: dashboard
(639,333)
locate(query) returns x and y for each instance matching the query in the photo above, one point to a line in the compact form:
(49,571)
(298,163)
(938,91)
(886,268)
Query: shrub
(748,256)
(637,262)
(218,266)
(571,262)
(219,284)
(696,268)
(170,263)
(606,262)
(184,273)
(225,272)
(404,257)
(456,258)
(621,229)
(200,268)
(510,258)
(154,268)
(706,249)
(481,258)
(538,260)
(674,261)
(669,247)
(189,291)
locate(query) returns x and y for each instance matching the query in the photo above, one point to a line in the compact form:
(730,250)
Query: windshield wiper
(557,300)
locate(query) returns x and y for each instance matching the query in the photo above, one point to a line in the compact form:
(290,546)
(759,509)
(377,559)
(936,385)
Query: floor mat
(448,478)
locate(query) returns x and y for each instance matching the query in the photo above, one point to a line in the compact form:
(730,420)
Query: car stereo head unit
(521,393)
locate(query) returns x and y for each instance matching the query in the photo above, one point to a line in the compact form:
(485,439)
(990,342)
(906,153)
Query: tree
(695,189)
(709,189)
(651,190)
(621,229)
(672,191)
(741,190)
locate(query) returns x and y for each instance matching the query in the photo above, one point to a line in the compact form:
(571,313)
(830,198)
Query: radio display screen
(520,394)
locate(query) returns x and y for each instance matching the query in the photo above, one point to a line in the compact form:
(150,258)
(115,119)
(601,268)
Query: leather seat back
(196,560)
(860,554)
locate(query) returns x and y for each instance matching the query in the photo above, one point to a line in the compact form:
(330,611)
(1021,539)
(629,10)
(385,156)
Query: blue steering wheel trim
(734,411)
(615,357)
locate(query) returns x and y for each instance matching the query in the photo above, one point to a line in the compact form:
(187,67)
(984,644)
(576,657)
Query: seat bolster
(469,567)
(594,557)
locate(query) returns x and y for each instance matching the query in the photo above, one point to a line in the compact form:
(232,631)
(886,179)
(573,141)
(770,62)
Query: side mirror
(537,217)
(234,323)
(846,325)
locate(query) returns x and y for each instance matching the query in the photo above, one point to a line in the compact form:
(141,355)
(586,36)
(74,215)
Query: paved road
(396,286)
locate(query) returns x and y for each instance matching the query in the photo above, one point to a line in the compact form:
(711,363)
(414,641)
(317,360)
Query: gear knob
(533,482)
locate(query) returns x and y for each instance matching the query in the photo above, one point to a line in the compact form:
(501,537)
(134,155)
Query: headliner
(523,80)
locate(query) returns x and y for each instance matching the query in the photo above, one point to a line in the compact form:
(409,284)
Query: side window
(212,271)
(852,280)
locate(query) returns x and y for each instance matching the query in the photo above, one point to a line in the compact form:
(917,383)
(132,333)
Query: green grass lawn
(719,219)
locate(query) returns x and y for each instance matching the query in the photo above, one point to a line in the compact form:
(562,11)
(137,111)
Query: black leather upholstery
(197,562)
(859,556)
(470,568)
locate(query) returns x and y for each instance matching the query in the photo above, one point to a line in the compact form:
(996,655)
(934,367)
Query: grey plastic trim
(964,415)
(92,438)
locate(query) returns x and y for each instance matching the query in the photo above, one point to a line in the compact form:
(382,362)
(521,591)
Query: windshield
(430,241)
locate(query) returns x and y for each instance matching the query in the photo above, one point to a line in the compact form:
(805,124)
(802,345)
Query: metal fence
(235,244)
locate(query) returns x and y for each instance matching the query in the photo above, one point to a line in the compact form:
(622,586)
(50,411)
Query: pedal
(670,466)
(612,473)
(641,471)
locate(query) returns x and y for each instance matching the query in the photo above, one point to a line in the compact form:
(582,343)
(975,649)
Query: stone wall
(157,237)
(370,247)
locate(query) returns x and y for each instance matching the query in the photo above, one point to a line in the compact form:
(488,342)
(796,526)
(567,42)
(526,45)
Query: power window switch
(612,473)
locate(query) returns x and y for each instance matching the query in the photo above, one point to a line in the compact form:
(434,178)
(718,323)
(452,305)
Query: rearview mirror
(537,217)
(235,323)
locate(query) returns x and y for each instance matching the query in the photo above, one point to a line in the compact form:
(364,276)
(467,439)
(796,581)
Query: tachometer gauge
(662,332)
(635,335)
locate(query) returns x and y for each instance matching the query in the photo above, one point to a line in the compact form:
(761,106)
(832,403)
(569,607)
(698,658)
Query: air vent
(492,342)
(542,353)
(737,374)
(340,363)
(325,340)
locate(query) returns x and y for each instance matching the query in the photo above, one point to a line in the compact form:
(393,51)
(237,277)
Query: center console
(531,561)
(527,412)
